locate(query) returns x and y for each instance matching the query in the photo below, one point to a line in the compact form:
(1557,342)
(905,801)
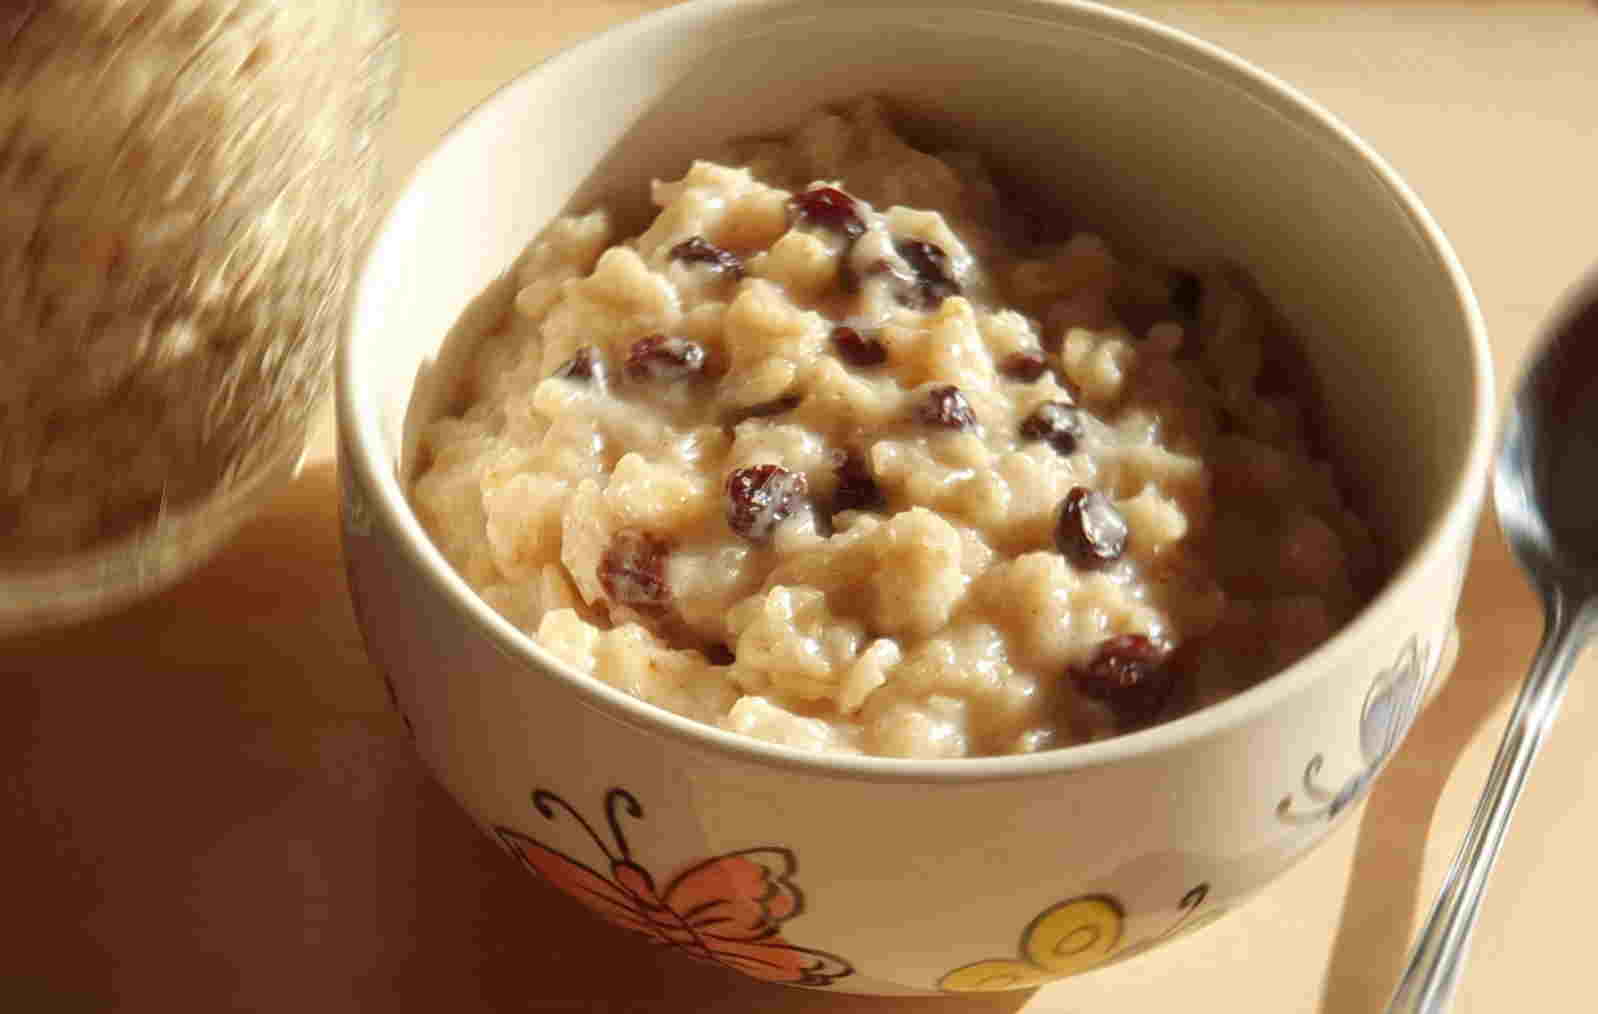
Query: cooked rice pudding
(842,454)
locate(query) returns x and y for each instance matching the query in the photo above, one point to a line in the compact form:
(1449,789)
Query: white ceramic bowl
(899,876)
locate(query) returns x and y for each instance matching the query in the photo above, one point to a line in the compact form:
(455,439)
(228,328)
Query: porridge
(840,454)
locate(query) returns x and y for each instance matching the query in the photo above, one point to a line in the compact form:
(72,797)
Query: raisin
(583,365)
(1027,223)
(1187,294)
(857,489)
(1030,219)
(760,497)
(947,407)
(932,281)
(777,406)
(698,251)
(1279,376)
(856,349)
(1024,366)
(1130,675)
(1137,318)
(1090,532)
(828,208)
(1058,422)
(633,570)
(848,277)
(660,358)
(1183,295)
(719,654)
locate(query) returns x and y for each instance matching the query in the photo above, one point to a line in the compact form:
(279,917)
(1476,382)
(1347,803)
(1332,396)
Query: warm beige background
(211,809)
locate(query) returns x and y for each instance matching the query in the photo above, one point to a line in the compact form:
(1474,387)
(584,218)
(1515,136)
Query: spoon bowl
(1544,477)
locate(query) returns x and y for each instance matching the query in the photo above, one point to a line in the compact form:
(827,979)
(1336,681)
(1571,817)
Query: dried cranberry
(1058,422)
(857,490)
(1024,366)
(1090,532)
(857,349)
(1128,673)
(828,208)
(583,365)
(1187,294)
(633,570)
(946,406)
(933,283)
(660,358)
(698,251)
(761,496)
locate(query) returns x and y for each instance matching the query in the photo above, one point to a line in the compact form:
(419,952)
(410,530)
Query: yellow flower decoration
(1069,938)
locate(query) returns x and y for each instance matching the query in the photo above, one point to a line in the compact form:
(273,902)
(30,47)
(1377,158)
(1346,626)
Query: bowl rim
(361,439)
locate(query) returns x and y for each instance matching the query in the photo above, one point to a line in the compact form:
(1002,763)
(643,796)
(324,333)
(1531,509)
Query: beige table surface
(207,806)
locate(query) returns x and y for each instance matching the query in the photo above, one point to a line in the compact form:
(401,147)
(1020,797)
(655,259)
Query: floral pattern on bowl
(728,910)
(1391,705)
(1067,939)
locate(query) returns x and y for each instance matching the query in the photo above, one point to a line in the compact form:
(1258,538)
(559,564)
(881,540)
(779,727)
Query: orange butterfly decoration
(728,910)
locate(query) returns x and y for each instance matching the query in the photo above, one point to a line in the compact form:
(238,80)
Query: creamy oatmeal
(863,465)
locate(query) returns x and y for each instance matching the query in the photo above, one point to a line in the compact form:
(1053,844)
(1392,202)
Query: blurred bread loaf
(185,188)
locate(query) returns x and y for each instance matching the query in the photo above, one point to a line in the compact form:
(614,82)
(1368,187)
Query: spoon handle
(1428,982)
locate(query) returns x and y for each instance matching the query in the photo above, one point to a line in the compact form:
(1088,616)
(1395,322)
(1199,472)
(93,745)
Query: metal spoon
(1543,485)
